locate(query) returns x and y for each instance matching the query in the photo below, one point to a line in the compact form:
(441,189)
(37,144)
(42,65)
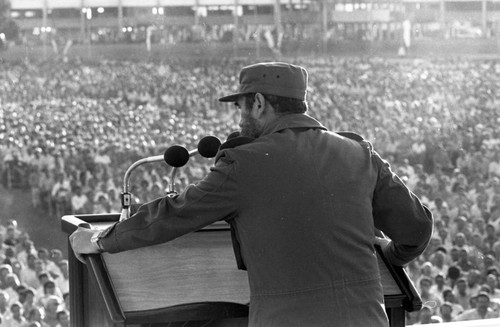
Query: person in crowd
(492,282)
(426,294)
(438,261)
(461,295)
(48,265)
(79,202)
(10,256)
(4,303)
(62,281)
(63,318)
(425,316)
(36,314)
(445,312)
(274,128)
(3,246)
(43,277)
(61,193)
(34,182)
(437,288)
(66,302)
(25,248)
(102,205)
(56,255)
(449,297)
(50,290)
(490,237)
(16,318)
(29,274)
(29,301)
(473,282)
(12,284)
(51,307)
(481,311)
(12,234)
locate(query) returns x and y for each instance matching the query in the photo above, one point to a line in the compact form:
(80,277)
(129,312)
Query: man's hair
(43,274)
(281,105)
(426,280)
(48,284)
(483,294)
(15,304)
(63,262)
(447,304)
(60,313)
(446,292)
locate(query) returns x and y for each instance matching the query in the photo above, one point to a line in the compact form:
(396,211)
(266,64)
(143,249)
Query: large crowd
(69,130)
(34,281)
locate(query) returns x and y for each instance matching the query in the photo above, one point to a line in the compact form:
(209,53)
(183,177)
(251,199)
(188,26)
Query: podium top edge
(69,223)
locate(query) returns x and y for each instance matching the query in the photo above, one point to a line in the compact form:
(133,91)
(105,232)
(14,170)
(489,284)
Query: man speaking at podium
(303,203)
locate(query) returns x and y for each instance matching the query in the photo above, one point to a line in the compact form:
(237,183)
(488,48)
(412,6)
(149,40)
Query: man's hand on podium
(382,242)
(81,242)
(385,245)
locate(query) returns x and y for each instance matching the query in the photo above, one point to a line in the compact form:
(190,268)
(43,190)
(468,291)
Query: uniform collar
(293,121)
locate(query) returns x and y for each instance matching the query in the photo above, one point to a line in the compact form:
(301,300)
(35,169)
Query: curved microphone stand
(126,197)
(175,156)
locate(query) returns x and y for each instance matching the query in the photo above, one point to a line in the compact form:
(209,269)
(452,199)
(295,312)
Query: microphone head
(209,146)
(176,156)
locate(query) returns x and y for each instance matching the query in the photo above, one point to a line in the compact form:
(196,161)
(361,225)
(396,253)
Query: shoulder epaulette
(352,136)
(358,138)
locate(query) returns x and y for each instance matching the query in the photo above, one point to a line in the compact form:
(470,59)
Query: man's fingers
(75,251)
(382,242)
(80,257)
(79,242)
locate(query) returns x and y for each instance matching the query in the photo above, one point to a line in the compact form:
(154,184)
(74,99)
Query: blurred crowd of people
(69,131)
(34,281)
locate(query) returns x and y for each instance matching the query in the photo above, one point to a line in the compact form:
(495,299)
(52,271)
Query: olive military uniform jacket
(303,203)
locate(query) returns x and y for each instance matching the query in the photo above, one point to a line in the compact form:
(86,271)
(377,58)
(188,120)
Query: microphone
(209,146)
(177,156)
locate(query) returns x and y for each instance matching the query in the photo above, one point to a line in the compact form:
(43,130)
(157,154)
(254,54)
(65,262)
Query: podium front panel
(198,267)
(388,283)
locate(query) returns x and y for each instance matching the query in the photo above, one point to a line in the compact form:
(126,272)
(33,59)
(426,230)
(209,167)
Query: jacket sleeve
(212,199)
(400,215)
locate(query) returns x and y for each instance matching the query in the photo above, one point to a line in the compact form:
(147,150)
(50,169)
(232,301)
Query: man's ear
(260,104)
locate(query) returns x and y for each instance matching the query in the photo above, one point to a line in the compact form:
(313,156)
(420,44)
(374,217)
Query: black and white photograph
(260,163)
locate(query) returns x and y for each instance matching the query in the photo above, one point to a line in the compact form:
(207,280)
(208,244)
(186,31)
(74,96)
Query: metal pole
(120,19)
(236,28)
(257,32)
(89,31)
(325,26)
(484,18)
(44,29)
(196,18)
(277,24)
(442,10)
(82,23)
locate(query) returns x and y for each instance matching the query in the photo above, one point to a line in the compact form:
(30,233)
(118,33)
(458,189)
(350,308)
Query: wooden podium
(190,281)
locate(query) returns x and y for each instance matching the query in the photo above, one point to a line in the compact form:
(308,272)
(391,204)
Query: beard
(250,127)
